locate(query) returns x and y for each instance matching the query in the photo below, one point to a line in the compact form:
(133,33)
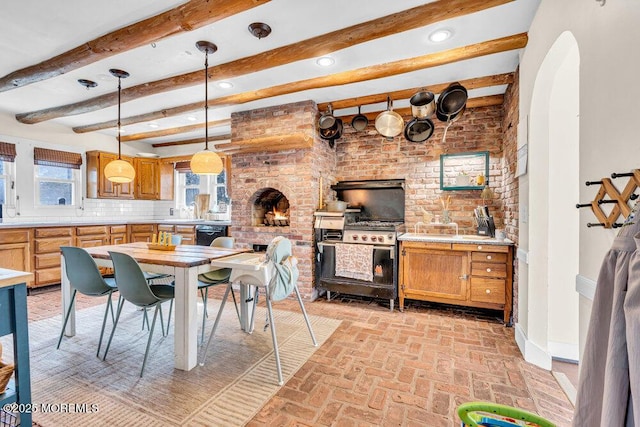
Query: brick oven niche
(271,208)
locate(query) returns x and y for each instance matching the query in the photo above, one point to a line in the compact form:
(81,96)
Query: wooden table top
(183,256)
(13,277)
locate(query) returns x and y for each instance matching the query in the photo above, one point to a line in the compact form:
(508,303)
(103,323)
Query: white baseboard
(531,352)
(565,351)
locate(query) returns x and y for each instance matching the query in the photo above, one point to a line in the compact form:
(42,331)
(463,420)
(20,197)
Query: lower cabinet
(47,253)
(188,232)
(15,249)
(141,232)
(92,235)
(473,275)
(117,234)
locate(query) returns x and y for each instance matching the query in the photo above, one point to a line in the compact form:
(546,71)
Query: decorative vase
(445,216)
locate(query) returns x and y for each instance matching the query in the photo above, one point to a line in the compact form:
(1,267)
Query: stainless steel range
(356,250)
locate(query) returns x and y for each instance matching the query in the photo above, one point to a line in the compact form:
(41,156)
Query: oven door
(384,269)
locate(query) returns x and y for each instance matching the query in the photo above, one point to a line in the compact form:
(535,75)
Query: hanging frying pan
(359,121)
(423,104)
(451,119)
(451,101)
(334,132)
(327,120)
(389,123)
(418,130)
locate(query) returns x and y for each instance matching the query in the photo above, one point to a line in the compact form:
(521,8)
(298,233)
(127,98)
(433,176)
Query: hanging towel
(285,268)
(354,261)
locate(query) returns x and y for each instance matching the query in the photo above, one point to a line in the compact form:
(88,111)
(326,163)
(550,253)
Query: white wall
(53,136)
(608,93)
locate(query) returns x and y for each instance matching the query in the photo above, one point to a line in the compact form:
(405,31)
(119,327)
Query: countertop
(111,222)
(449,238)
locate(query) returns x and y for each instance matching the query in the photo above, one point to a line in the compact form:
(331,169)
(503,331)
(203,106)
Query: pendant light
(206,162)
(119,171)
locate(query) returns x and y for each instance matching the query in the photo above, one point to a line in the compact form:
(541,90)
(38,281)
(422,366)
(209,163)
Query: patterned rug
(78,389)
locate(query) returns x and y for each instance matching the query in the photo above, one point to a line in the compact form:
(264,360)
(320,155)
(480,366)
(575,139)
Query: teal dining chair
(85,277)
(215,277)
(133,287)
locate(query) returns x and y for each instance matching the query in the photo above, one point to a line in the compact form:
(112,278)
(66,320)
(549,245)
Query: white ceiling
(34,30)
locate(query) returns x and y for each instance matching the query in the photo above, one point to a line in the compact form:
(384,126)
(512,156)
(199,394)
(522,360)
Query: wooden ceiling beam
(416,17)
(469,84)
(186,17)
(192,141)
(503,44)
(174,131)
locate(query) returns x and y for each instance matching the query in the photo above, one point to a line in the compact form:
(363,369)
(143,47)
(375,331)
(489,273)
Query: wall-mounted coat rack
(609,194)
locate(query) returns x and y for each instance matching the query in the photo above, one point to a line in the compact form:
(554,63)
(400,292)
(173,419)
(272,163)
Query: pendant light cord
(119,130)
(206,100)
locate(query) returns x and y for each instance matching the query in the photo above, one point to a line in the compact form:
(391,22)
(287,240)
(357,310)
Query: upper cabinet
(153,181)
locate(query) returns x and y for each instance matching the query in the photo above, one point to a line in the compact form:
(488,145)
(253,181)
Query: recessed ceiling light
(325,61)
(191,119)
(153,125)
(225,85)
(440,35)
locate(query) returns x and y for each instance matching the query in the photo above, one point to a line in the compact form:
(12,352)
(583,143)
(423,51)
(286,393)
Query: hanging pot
(423,104)
(359,121)
(334,132)
(327,120)
(389,123)
(451,101)
(418,130)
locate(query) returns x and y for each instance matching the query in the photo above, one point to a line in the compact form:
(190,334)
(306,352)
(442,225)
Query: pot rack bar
(608,194)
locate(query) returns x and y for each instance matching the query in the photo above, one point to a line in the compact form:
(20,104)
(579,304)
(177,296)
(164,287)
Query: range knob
(364,238)
(354,237)
(374,238)
(390,236)
(380,238)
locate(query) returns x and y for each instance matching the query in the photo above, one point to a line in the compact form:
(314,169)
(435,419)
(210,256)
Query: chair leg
(120,304)
(153,326)
(273,336)
(159,306)
(306,318)
(169,318)
(204,293)
(145,319)
(215,325)
(104,322)
(66,317)
(253,310)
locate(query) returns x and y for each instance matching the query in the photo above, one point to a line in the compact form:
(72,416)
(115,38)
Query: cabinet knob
(479,247)
(488,291)
(463,277)
(488,256)
(488,270)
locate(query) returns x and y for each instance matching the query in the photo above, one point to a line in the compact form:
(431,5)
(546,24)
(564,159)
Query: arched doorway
(549,304)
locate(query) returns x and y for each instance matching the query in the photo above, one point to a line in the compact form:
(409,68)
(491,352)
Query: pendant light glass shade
(206,162)
(119,171)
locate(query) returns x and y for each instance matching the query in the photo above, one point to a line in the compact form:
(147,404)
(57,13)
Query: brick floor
(390,368)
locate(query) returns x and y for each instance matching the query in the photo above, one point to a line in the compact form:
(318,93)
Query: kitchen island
(465,270)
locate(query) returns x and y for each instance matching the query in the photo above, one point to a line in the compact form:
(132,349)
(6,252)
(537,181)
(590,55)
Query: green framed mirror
(464,171)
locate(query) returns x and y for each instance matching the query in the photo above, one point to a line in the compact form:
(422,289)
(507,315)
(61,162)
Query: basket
(6,371)
(158,247)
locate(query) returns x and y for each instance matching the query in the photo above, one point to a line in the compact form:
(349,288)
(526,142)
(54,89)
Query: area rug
(78,389)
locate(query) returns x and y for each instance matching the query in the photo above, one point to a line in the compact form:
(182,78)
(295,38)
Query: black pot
(451,101)
(418,130)
(334,132)
(359,121)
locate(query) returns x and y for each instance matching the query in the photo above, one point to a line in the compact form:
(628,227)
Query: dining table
(185,263)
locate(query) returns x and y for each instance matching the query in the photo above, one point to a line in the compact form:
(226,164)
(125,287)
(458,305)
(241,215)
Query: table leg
(65,287)
(186,319)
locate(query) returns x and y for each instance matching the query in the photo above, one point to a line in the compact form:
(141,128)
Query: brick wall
(295,173)
(367,155)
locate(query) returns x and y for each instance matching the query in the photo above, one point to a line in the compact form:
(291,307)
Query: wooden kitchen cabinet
(473,275)
(118,234)
(188,232)
(15,250)
(98,186)
(141,232)
(47,253)
(147,181)
(92,235)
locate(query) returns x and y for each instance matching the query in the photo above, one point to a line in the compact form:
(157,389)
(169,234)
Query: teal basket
(486,414)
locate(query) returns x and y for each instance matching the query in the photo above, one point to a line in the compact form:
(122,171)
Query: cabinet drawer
(479,247)
(44,246)
(487,269)
(487,290)
(427,245)
(14,236)
(53,232)
(88,242)
(488,257)
(91,230)
(118,229)
(185,229)
(47,260)
(48,275)
(142,228)
(165,227)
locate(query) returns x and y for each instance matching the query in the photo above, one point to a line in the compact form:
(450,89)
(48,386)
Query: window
(189,185)
(7,159)
(57,177)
